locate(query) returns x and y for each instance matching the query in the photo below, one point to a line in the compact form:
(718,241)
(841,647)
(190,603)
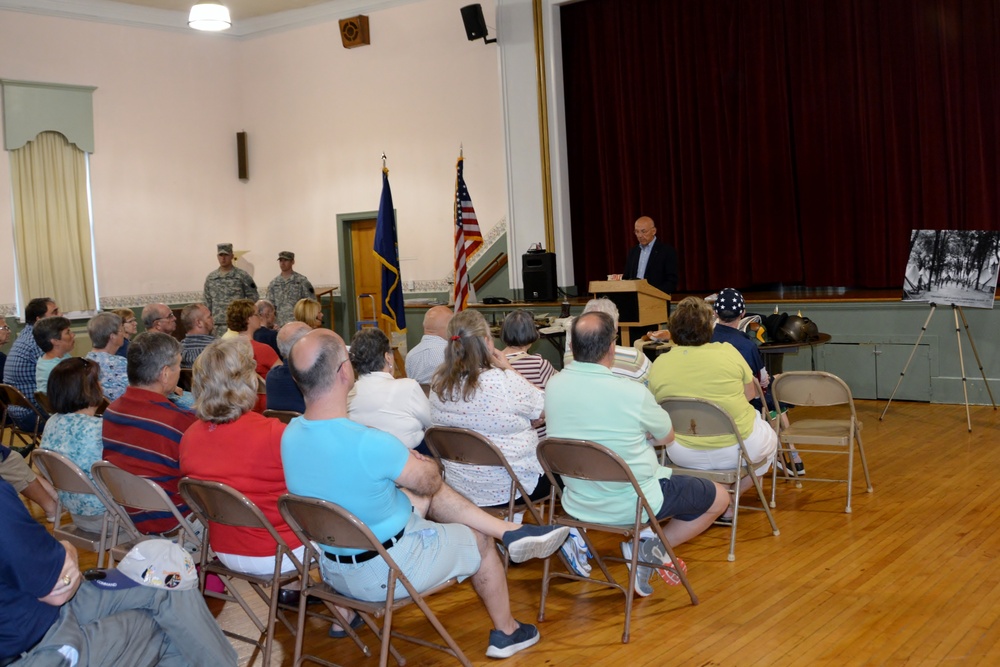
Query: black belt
(365,556)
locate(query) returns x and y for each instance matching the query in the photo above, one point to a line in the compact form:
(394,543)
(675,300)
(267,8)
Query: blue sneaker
(531,541)
(504,646)
(642,574)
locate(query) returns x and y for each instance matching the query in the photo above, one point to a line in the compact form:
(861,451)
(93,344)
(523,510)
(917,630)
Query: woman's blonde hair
(465,356)
(225,381)
(306,311)
(691,322)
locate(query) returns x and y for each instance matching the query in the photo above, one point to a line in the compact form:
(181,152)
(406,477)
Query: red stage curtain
(779,141)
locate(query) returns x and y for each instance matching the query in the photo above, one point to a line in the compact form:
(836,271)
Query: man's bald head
(593,336)
(645,230)
(436,321)
(315,361)
(289,334)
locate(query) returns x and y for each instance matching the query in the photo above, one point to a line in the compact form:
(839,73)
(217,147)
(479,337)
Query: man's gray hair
(147,354)
(102,327)
(264,306)
(603,305)
(151,313)
(290,334)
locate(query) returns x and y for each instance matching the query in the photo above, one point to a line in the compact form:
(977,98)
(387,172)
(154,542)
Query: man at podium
(651,259)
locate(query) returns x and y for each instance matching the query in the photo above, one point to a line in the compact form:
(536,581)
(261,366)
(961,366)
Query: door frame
(345,256)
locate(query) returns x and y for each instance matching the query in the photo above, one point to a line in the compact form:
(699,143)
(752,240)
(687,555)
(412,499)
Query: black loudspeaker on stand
(538,270)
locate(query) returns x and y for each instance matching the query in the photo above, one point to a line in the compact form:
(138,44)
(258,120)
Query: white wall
(318,116)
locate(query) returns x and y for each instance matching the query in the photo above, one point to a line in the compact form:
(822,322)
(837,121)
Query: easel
(956,310)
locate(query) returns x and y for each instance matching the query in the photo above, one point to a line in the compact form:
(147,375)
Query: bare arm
(749,391)
(420,475)
(68,581)
(664,441)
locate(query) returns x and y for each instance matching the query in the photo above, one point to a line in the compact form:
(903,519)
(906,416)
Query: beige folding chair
(701,417)
(43,401)
(218,503)
(282,415)
(831,436)
(589,461)
(323,522)
(131,491)
(12,397)
(67,477)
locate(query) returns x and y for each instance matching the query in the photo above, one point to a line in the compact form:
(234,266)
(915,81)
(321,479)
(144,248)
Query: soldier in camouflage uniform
(226,284)
(286,289)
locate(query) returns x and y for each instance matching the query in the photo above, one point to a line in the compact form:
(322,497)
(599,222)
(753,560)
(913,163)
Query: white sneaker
(642,574)
(576,553)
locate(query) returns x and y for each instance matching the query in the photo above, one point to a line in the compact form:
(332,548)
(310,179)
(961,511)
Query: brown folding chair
(43,401)
(323,522)
(822,436)
(701,417)
(589,461)
(218,503)
(12,397)
(282,415)
(126,491)
(186,379)
(67,477)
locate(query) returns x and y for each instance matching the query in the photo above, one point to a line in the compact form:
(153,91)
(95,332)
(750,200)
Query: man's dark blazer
(661,269)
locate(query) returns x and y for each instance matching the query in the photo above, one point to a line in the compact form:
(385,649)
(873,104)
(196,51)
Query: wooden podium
(639,303)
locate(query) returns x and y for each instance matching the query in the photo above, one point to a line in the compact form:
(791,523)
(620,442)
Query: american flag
(468,239)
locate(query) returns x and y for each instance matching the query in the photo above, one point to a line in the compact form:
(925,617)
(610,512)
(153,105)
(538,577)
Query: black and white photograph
(952,267)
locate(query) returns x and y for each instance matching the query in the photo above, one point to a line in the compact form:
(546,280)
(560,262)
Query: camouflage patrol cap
(225,248)
(286,254)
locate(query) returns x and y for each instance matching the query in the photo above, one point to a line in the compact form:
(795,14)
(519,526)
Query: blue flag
(387,253)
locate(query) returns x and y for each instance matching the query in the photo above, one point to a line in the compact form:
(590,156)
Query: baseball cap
(157,563)
(286,254)
(729,304)
(225,249)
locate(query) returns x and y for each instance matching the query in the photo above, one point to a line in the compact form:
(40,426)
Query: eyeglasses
(4,327)
(171,316)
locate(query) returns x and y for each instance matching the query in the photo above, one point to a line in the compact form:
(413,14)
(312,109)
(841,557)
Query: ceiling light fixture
(210,16)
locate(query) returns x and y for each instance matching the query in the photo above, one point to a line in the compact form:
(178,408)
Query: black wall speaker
(242,161)
(538,271)
(475,24)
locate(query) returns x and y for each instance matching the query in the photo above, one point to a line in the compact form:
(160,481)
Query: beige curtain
(52,222)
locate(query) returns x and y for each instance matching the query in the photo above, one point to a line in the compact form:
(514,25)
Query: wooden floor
(909,578)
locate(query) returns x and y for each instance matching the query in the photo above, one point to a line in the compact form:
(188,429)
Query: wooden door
(367,273)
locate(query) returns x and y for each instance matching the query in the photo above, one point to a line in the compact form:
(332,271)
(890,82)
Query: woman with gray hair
(396,406)
(106,335)
(232,444)
(518,334)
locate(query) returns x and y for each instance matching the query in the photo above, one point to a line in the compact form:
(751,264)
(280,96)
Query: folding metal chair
(186,379)
(701,417)
(67,477)
(831,436)
(282,415)
(589,461)
(43,401)
(221,504)
(323,522)
(131,491)
(11,396)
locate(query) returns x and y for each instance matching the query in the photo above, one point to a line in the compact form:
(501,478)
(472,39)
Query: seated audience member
(586,401)
(629,362)
(381,401)
(22,362)
(476,388)
(518,334)
(268,331)
(16,472)
(699,368)
(199,330)
(242,317)
(142,430)
(130,325)
(309,311)
(428,354)
(106,335)
(392,489)
(4,337)
(159,317)
(50,616)
(730,308)
(74,431)
(282,392)
(55,339)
